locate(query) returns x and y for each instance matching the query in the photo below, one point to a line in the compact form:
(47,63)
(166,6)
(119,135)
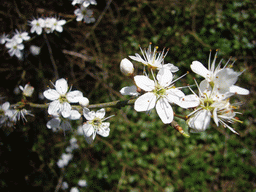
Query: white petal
(74,115)
(88,129)
(164,77)
(104,130)
(171,67)
(164,111)
(189,101)
(74,96)
(65,110)
(204,87)
(131,90)
(53,123)
(6,106)
(61,86)
(144,82)
(215,116)
(200,121)
(62,22)
(226,78)
(199,69)
(54,107)
(65,125)
(89,115)
(239,90)
(89,140)
(145,102)
(174,95)
(100,113)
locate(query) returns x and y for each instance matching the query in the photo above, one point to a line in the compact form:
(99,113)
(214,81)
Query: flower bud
(126,67)
(83,101)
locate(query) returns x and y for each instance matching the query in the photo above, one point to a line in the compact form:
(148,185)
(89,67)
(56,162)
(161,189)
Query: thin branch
(98,20)
(55,68)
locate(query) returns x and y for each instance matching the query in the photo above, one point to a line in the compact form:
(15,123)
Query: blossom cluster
(158,90)
(48,24)
(214,96)
(62,112)
(10,114)
(83,13)
(15,44)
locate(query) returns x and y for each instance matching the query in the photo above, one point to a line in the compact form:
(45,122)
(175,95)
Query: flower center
(159,90)
(96,122)
(206,104)
(63,99)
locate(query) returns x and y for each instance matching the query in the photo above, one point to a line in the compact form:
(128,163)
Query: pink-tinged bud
(27,90)
(126,67)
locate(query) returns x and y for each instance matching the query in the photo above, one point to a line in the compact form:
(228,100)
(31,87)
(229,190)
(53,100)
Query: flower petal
(104,130)
(238,90)
(74,115)
(200,121)
(144,82)
(131,90)
(198,68)
(164,77)
(74,96)
(100,113)
(189,101)
(65,110)
(174,95)
(51,94)
(61,86)
(145,102)
(89,115)
(53,123)
(164,111)
(88,129)
(54,107)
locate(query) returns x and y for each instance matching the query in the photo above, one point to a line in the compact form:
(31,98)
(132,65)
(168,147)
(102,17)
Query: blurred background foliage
(141,153)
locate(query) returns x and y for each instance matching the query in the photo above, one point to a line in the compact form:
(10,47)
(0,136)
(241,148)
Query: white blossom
(61,97)
(95,124)
(6,114)
(27,90)
(85,14)
(37,25)
(19,37)
(86,3)
(154,59)
(82,183)
(219,79)
(14,48)
(159,94)
(64,160)
(4,38)
(57,122)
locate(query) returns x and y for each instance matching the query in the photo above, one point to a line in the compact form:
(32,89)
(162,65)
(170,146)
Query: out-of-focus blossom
(35,50)
(27,90)
(37,25)
(85,14)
